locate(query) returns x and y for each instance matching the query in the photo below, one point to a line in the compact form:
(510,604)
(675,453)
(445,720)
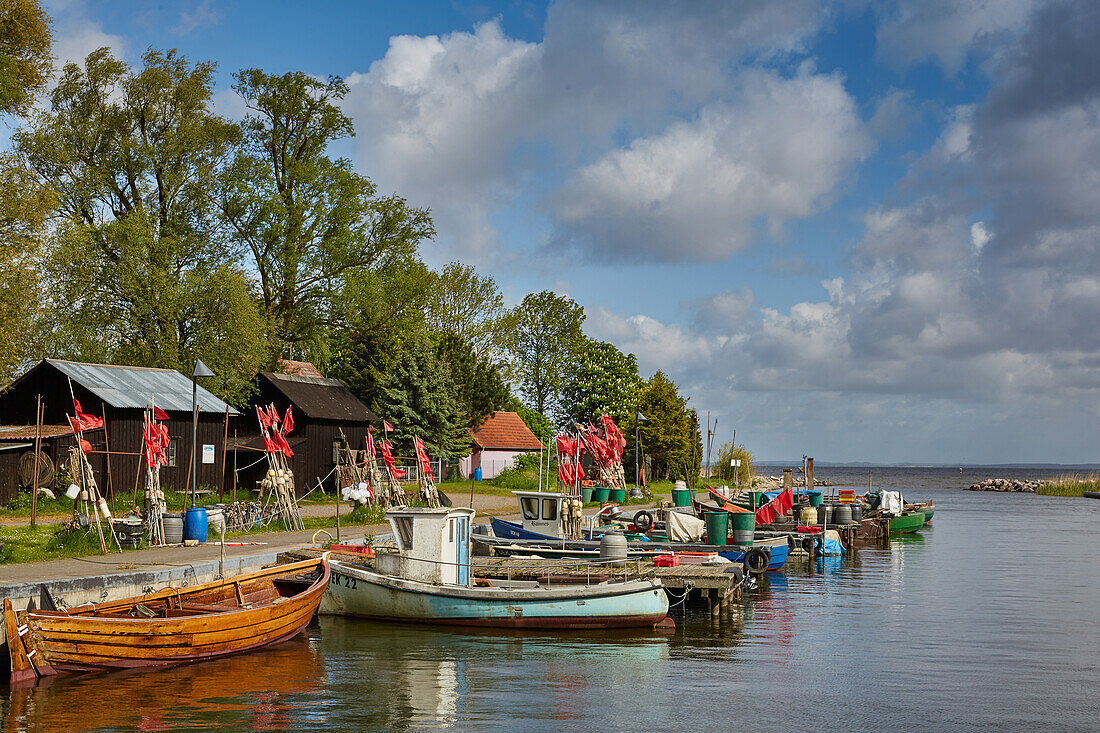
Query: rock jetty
(1009,484)
(775,483)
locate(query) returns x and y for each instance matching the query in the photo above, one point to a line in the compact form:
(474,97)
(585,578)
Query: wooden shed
(323,409)
(118,394)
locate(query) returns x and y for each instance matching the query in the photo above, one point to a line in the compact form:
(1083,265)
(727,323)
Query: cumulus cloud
(462,121)
(76,35)
(946,30)
(774,151)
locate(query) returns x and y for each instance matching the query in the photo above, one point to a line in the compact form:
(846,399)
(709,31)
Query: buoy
(73,491)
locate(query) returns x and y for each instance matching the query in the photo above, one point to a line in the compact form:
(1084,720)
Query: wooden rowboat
(171,626)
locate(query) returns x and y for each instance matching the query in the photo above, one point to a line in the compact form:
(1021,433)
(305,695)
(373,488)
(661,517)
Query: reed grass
(1070,485)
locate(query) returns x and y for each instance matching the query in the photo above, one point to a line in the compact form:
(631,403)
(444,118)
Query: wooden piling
(788,479)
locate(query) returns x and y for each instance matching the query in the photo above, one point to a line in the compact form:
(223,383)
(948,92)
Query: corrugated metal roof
(125,386)
(22,432)
(320,398)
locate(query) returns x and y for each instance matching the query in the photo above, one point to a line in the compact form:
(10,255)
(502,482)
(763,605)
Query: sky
(852,230)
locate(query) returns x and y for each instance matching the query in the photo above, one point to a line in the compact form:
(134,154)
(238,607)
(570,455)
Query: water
(988,619)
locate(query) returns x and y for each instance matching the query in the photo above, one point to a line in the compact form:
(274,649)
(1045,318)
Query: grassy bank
(51,542)
(1070,486)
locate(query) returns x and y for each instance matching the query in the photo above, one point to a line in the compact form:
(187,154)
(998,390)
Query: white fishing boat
(428,580)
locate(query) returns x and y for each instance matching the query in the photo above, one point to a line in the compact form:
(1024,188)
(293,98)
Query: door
(463,550)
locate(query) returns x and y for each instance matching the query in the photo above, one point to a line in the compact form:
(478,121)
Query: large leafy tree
(468,305)
(24,208)
(479,389)
(601,380)
(417,398)
(670,431)
(541,336)
(308,221)
(140,272)
(25,62)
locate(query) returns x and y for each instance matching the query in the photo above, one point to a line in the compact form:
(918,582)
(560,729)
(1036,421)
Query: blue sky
(861,231)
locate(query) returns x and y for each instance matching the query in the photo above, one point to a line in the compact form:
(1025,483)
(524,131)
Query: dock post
(788,479)
(810,474)
(724,606)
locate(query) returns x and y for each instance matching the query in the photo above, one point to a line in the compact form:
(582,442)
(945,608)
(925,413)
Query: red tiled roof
(300,368)
(506,430)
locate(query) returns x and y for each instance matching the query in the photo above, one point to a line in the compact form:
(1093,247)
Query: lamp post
(201,370)
(638,418)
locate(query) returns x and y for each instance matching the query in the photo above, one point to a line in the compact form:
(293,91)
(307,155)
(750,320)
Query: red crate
(666,561)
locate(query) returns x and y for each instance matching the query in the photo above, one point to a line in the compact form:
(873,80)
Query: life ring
(757,560)
(643,520)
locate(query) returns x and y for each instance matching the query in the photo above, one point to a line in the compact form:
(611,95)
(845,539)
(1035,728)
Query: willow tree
(140,270)
(308,221)
(25,62)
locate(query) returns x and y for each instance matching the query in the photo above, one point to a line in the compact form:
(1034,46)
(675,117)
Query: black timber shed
(118,394)
(322,409)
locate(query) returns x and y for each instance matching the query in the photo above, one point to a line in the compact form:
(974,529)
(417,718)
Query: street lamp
(201,370)
(638,418)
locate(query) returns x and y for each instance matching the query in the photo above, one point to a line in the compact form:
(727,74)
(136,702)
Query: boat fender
(643,520)
(807,543)
(757,560)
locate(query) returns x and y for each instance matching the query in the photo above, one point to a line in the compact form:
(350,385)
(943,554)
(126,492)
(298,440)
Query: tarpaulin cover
(892,503)
(684,527)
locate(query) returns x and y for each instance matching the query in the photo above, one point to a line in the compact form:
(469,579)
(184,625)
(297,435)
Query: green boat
(926,507)
(908,522)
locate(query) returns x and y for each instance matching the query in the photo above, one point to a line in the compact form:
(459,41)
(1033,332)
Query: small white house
(498,441)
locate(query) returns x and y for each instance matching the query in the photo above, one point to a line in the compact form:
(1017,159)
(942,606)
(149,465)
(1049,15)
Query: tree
(601,380)
(140,271)
(24,209)
(308,221)
(479,390)
(466,304)
(741,475)
(417,399)
(25,62)
(670,430)
(540,336)
(536,422)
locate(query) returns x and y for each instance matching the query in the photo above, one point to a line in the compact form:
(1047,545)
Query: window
(550,510)
(173,445)
(404,531)
(336,446)
(450,530)
(530,507)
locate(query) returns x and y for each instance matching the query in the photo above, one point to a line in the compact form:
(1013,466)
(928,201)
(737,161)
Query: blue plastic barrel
(477,473)
(194,524)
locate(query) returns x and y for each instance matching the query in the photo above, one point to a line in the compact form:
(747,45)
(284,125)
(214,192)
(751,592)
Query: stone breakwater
(1009,484)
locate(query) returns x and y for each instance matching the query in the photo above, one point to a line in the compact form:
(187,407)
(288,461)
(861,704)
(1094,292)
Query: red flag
(565,445)
(273,414)
(269,445)
(288,422)
(159,414)
(83,421)
(387,457)
(262,416)
(283,445)
(422,457)
(370,443)
(85,446)
(387,427)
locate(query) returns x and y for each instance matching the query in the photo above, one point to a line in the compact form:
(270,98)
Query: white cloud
(776,151)
(76,35)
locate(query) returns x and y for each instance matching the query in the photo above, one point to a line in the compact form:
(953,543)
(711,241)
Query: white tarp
(684,527)
(892,503)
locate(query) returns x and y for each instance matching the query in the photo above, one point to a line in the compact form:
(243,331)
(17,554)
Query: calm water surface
(990,619)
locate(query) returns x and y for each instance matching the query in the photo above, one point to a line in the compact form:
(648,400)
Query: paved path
(161,557)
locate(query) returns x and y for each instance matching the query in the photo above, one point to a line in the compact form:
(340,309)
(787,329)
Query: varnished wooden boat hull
(91,638)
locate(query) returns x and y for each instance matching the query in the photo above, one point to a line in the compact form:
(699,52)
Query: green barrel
(586,494)
(816,497)
(681,497)
(757,499)
(744,528)
(599,493)
(717,527)
(616,495)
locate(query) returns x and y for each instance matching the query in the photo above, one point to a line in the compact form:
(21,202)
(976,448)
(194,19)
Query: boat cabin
(433,545)
(541,512)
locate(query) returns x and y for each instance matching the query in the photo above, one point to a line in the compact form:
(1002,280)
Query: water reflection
(247,692)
